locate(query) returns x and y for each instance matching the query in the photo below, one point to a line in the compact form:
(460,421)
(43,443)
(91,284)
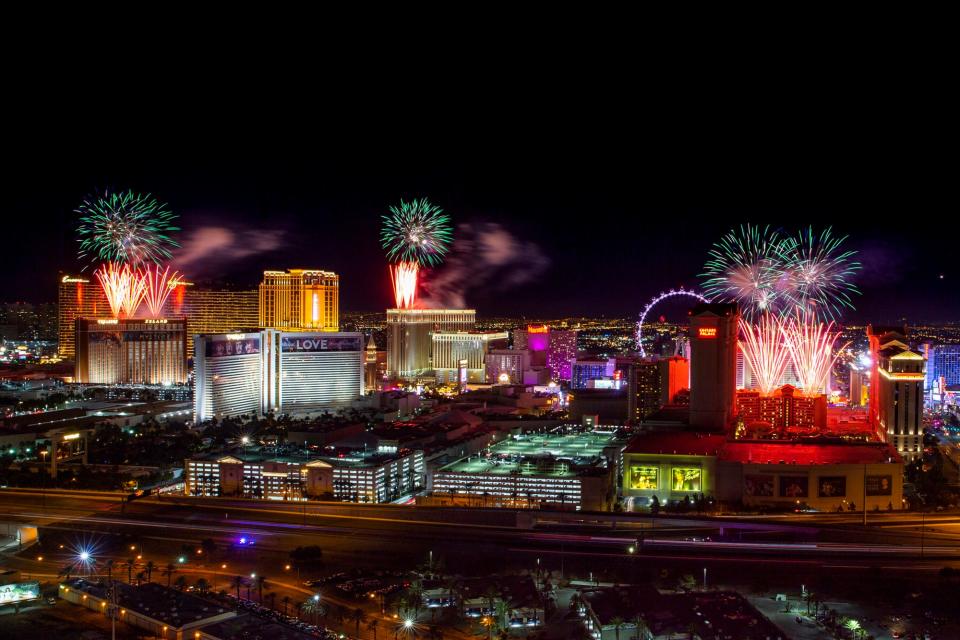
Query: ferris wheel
(666,295)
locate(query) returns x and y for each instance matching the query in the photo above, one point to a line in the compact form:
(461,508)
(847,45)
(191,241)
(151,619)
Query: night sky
(594,223)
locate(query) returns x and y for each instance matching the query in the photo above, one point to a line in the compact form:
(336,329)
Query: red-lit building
(783,408)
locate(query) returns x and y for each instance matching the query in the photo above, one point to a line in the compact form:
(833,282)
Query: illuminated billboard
(19,591)
(644,477)
(794,486)
(235,345)
(707,332)
(758,486)
(879,485)
(313,344)
(686,478)
(832,487)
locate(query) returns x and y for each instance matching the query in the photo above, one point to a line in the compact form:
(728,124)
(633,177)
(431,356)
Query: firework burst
(123,287)
(812,350)
(765,350)
(743,268)
(815,273)
(404,278)
(125,227)
(417,232)
(158,285)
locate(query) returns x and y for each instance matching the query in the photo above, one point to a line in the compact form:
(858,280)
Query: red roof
(791,453)
(680,443)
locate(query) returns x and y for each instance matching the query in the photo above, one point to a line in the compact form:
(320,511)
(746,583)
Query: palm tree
(261,581)
(168,571)
(236,583)
(141,576)
(131,562)
(372,626)
(202,586)
(358,616)
(503,610)
(617,623)
(109,565)
(286,603)
(180,583)
(492,595)
(150,566)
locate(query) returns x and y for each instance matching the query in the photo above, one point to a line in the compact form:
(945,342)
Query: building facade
(300,300)
(464,352)
(899,398)
(713,365)
(283,372)
(77,297)
(409,337)
(214,310)
(785,407)
(131,350)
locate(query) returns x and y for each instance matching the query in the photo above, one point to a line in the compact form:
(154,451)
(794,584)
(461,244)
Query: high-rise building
(464,352)
(713,364)
(409,337)
(300,300)
(77,297)
(654,383)
(943,362)
(131,350)
(214,310)
(270,370)
(782,408)
(507,366)
(585,370)
(562,352)
(897,397)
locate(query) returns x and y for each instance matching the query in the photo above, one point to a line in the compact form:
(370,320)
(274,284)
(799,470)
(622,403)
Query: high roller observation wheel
(654,302)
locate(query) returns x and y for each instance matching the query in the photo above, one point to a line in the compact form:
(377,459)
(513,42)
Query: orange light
(707,332)
(538,328)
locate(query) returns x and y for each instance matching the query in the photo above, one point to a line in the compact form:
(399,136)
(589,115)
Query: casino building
(410,337)
(279,371)
(131,350)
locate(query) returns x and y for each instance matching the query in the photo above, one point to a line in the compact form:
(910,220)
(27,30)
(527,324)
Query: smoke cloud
(215,245)
(484,256)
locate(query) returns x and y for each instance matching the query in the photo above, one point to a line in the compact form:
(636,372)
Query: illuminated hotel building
(561,353)
(374,477)
(468,349)
(374,366)
(300,300)
(77,297)
(507,365)
(655,383)
(213,310)
(783,408)
(409,337)
(131,350)
(899,398)
(713,364)
(284,372)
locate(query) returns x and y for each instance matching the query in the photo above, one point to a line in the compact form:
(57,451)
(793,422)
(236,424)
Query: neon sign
(707,332)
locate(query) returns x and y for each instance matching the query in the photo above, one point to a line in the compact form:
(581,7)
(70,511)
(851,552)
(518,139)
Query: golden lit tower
(76,297)
(300,300)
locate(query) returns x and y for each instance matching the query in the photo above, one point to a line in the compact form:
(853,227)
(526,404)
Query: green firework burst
(416,231)
(125,227)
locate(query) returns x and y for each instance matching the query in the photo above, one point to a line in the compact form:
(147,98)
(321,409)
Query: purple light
(243,541)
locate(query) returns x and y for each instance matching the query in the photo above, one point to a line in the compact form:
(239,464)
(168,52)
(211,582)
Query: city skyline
(549,232)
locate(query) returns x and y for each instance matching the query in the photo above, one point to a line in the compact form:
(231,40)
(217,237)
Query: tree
(272,599)
(202,586)
(208,546)
(149,567)
(372,626)
(285,600)
(141,577)
(261,581)
(358,616)
(655,505)
(180,583)
(236,583)
(168,571)
(502,610)
(131,563)
(109,566)
(307,558)
(617,623)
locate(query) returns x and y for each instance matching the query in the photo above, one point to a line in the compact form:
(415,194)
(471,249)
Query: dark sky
(606,210)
